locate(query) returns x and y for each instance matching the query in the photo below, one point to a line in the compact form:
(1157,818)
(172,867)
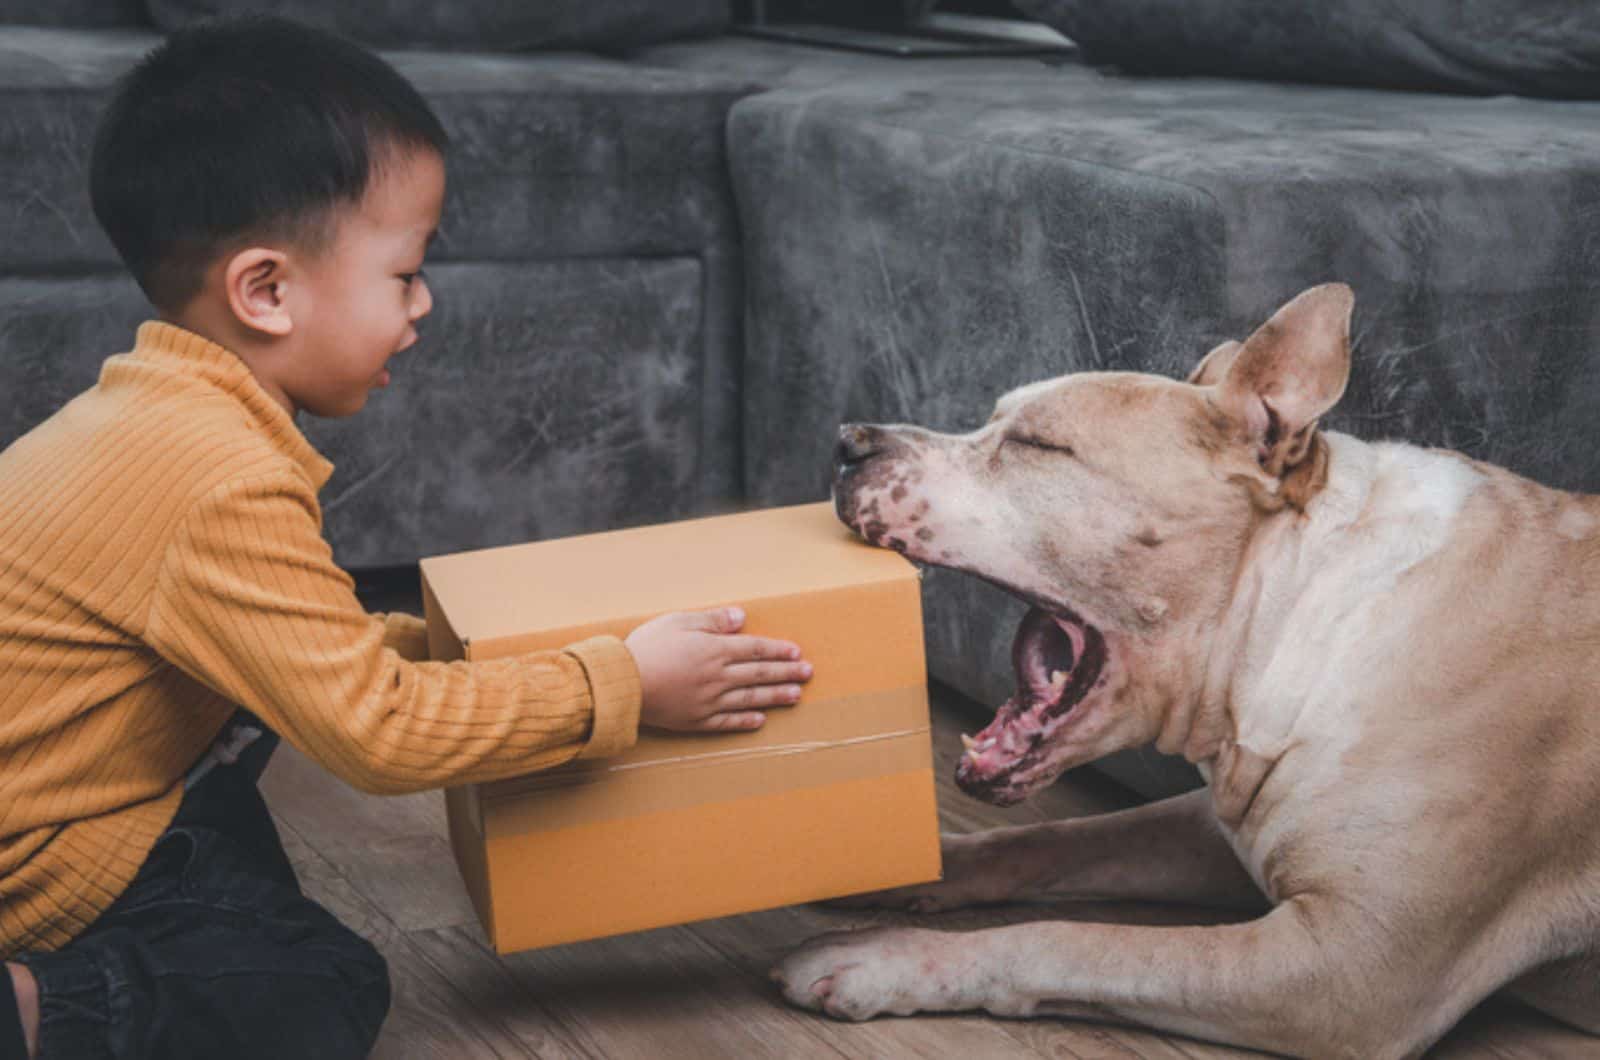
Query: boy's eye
(411,277)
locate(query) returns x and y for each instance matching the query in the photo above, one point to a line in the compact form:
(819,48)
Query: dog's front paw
(856,975)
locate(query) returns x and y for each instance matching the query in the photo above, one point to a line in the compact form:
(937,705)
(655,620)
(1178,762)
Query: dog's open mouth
(1058,659)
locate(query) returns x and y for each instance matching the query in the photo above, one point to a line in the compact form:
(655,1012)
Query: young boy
(273,190)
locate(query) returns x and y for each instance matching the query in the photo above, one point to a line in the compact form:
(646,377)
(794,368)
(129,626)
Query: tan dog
(1384,659)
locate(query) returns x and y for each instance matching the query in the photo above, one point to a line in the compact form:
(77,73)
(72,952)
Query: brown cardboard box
(831,797)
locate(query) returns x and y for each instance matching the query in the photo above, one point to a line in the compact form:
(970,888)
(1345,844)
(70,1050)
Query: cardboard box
(833,796)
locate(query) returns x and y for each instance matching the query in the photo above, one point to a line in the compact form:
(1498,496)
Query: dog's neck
(1303,582)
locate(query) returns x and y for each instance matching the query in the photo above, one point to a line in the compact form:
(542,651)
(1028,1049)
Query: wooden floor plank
(660,995)
(462,957)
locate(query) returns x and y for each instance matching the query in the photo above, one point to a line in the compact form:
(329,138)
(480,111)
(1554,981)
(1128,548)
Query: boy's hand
(697,676)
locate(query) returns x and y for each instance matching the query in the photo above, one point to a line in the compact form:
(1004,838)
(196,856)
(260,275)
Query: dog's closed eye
(1029,442)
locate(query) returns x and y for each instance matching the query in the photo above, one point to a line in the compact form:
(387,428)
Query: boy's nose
(422,301)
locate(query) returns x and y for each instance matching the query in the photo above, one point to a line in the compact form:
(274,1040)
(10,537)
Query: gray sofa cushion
(568,154)
(543,399)
(1532,47)
(553,155)
(489,25)
(976,231)
(87,14)
(916,245)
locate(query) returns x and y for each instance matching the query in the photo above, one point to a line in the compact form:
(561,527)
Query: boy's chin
(334,410)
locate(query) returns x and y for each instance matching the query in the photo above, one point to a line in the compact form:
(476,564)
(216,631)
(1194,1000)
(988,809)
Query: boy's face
(365,293)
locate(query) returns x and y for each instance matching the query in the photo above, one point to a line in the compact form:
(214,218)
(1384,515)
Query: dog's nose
(857,441)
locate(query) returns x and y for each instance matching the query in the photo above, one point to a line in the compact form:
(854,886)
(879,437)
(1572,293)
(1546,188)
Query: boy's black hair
(253,127)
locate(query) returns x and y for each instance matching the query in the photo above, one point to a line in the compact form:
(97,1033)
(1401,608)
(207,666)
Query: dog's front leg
(1167,851)
(1271,983)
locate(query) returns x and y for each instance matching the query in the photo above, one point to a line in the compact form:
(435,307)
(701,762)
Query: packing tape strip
(809,726)
(641,792)
(594,774)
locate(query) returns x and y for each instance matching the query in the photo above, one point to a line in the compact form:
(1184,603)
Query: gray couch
(917,237)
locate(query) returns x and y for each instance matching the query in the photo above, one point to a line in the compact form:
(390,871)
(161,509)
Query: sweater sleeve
(250,603)
(406,634)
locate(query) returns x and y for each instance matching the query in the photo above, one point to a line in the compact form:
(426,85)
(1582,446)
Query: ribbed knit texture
(161,561)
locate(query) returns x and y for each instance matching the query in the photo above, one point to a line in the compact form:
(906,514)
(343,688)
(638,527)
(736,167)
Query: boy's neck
(224,329)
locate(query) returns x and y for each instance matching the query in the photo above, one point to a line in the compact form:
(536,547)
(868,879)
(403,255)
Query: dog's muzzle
(857,443)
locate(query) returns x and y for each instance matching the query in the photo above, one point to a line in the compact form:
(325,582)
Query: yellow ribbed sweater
(161,560)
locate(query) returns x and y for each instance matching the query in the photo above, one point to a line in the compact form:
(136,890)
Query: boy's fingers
(758,696)
(737,650)
(767,673)
(733,721)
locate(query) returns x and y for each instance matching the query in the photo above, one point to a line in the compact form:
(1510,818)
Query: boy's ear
(1290,372)
(254,280)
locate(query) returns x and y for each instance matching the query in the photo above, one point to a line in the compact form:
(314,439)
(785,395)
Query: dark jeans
(213,951)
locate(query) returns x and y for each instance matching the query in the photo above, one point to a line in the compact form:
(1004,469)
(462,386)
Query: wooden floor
(383,865)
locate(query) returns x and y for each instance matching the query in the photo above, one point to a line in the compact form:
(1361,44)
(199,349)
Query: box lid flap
(501,592)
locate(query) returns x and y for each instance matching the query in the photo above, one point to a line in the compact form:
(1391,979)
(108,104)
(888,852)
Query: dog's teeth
(1058,678)
(968,742)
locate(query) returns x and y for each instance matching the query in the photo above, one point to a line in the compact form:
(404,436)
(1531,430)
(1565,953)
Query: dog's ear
(1214,365)
(1291,371)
